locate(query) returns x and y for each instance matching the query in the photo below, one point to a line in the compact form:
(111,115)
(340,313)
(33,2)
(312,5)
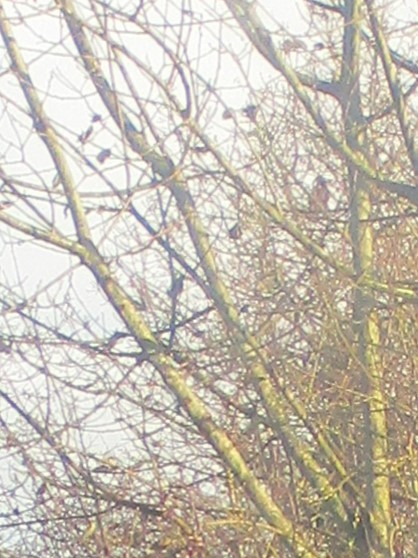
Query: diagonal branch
(44,128)
(248,345)
(260,37)
(394,86)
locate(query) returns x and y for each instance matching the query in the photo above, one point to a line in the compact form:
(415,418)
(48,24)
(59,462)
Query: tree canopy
(208,319)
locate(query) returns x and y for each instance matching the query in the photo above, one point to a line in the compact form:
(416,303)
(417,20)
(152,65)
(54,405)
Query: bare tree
(209,289)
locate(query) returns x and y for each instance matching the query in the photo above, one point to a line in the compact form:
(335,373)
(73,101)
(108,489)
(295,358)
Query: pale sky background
(61,79)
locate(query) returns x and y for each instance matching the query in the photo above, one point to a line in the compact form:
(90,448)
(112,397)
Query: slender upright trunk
(377,520)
